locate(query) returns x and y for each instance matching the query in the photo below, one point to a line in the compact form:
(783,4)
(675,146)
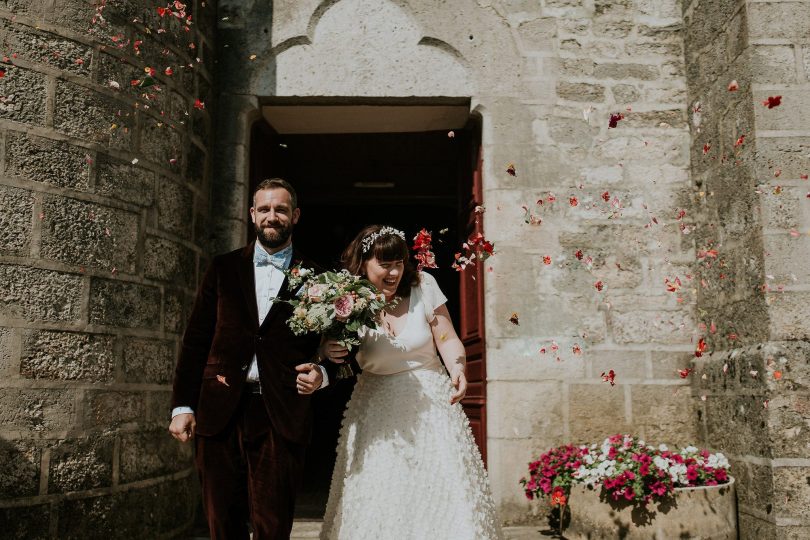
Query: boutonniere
(296,275)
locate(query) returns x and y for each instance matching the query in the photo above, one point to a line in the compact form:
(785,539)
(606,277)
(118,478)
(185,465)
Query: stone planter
(706,513)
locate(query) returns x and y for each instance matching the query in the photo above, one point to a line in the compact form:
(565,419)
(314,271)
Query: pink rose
(343,307)
(316,292)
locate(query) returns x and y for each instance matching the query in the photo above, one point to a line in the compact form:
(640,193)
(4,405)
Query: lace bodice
(383,354)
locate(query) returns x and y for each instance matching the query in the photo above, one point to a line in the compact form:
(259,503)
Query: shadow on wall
(19,477)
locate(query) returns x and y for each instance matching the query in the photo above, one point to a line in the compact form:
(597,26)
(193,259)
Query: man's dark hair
(276,183)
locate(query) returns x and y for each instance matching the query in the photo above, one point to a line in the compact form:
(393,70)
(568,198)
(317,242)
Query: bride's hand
(333,351)
(460,384)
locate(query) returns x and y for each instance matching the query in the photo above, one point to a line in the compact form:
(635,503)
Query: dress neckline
(407,318)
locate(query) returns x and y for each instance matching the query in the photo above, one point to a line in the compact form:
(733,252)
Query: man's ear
(296,215)
(253,214)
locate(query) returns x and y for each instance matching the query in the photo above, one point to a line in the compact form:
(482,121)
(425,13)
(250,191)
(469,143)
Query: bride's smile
(385,275)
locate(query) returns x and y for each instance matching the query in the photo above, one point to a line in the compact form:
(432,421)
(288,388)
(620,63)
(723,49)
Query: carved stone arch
(367,48)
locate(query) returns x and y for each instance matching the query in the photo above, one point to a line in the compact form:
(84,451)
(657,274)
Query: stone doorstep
(311,529)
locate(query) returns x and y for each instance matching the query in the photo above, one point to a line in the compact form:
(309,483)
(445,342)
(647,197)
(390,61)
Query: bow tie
(262,258)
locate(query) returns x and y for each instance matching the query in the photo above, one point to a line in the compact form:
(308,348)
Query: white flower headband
(369,240)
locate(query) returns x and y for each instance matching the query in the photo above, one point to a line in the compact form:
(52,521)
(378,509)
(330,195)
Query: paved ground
(303,530)
(310,529)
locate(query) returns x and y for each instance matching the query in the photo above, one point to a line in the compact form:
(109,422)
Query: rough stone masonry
(99,253)
(105,206)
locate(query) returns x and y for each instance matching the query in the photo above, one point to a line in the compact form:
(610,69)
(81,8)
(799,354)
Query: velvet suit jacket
(222,336)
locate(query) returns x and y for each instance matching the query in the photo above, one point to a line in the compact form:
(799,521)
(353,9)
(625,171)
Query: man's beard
(273,237)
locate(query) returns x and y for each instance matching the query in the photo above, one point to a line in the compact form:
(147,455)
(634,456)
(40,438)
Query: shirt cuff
(182,410)
(325,382)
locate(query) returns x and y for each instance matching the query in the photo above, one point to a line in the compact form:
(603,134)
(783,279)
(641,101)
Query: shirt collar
(279,259)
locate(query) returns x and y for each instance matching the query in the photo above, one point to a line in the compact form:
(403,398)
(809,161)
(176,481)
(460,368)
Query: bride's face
(385,275)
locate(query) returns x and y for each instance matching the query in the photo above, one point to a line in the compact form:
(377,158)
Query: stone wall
(103,229)
(582,62)
(752,388)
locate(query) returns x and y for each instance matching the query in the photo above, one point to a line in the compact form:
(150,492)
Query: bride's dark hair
(386,247)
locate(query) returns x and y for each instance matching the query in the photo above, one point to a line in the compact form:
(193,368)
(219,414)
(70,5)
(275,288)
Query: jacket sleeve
(196,343)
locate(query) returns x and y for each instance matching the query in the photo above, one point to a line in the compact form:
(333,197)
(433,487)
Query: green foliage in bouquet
(335,304)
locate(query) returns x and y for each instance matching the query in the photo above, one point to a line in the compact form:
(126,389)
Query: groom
(243,379)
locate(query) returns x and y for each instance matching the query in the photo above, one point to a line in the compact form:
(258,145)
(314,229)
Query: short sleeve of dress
(432,295)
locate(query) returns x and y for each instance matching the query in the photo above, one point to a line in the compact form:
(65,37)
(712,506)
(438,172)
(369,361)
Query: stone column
(750,164)
(104,187)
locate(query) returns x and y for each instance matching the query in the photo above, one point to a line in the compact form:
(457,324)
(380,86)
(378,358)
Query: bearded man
(243,380)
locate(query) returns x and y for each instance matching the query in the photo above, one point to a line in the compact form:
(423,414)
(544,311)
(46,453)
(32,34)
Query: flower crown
(369,240)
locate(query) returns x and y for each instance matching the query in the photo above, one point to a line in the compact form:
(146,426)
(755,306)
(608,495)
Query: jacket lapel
(283,293)
(247,280)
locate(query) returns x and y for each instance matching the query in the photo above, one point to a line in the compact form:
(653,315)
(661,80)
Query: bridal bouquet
(334,304)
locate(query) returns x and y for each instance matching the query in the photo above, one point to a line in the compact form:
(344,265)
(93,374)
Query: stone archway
(359,48)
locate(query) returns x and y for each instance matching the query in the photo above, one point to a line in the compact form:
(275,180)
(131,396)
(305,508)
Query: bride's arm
(451,350)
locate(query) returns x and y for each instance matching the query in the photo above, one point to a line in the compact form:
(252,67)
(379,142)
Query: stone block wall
(750,167)
(103,231)
(617,225)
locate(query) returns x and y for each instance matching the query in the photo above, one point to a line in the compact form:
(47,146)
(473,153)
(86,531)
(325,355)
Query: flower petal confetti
(701,348)
(614,119)
(733,86)
(514,319)
(609,377)
(221,379)
(511,169)
(772,101)
(422,244)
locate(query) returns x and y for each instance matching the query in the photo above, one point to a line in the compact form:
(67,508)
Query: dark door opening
(409,180)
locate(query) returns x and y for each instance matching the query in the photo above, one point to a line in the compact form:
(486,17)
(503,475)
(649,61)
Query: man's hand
(333,351)
(460,383)
(182,427)
(309,378)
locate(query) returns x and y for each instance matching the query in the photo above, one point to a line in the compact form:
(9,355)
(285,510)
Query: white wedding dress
(407,465)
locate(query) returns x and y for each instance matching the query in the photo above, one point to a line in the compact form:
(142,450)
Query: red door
(471,324)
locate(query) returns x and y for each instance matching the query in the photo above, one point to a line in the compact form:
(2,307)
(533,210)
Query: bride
(407,465)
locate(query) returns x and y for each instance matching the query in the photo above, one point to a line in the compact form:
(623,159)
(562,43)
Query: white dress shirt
(268,279)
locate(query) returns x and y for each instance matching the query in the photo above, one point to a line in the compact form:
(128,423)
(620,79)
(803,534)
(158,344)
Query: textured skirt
(407,465)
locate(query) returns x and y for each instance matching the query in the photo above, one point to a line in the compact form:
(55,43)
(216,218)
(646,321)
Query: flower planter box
(705,512)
